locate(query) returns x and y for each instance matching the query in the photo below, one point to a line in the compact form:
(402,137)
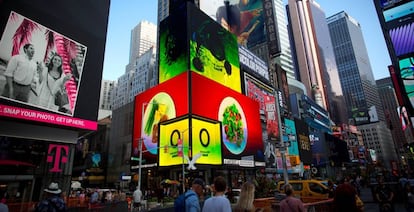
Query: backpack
(179,203)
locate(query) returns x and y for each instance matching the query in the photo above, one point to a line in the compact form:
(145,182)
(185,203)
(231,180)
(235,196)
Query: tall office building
(357,80)
(107,90)
(314,58)
(360,90)
(143,37)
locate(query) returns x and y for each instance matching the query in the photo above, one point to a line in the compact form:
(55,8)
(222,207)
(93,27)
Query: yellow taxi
(307,190)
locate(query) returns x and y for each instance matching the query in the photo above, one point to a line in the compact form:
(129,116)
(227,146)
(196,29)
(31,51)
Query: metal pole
(282,143)
(182,140)
(140,145)
(140,163)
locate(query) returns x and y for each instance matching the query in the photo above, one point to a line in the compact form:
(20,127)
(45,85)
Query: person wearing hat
(192,200)
(53,201)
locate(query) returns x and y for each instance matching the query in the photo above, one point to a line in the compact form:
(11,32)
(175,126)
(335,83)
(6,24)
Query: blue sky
(124,15)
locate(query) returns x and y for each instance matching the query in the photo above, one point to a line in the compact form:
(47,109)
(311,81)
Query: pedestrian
(20,74)
(291,203)
(3,206)
(245,201)
(137,199)
(385,196)
(218,202)
(53,202)
(409,197)
(346,199)
(192,196)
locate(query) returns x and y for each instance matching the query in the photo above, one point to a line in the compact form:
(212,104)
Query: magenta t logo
(59,156)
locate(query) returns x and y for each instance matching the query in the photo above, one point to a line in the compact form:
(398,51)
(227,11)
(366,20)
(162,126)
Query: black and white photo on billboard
(39,66)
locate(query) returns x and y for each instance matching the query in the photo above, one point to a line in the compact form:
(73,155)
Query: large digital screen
(239,115)
(51,61)
(245,19)
(264,95)
(164,102)
(406,66)
(304,144)
(176,148)
(202,46)
(400,26)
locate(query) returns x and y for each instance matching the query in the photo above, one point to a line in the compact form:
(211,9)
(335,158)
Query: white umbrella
(76,185)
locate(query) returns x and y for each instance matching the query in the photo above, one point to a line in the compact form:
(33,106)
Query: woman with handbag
(52,92)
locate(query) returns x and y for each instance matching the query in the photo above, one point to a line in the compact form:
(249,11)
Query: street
(371,206)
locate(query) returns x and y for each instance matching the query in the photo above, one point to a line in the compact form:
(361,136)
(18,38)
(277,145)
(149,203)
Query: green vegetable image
(151,117)
(233,125)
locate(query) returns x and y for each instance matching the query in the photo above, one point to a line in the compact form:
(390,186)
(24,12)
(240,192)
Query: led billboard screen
(400,26)
(264,95)
(239,115)
(245,19)
(406,66)
(161,103)
(51,68)
(204,147)
(304,144)
(202,46)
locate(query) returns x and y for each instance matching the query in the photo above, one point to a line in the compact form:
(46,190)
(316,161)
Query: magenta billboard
(51,61)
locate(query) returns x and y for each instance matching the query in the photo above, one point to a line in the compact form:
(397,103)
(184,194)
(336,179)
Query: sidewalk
(370,205)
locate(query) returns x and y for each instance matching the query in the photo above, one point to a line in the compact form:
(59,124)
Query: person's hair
(50,65)
(288,189)
(220,184)
(230,13)
(245,202)
(26,46)
(344,198)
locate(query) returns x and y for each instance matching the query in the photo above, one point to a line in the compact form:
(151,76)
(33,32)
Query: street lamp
(182,149)
(282,147)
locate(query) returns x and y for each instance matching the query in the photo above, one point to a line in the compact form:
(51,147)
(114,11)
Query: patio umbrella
(76,185)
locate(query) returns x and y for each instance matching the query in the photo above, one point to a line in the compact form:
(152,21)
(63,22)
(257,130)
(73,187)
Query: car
(307,190)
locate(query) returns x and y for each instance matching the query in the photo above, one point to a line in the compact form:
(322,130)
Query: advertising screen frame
(81,50)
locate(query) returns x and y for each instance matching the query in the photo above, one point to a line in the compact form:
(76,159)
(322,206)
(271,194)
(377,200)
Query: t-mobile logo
(59,157)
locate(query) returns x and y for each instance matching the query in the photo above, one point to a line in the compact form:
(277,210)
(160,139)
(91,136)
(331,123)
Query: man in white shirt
(20,71)
(137,199)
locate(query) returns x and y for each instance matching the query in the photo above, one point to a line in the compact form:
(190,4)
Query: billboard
(204,147)
(161,103)
(238,115)
(245,19)
(304,144)
(264,95)
(399,24)
(241,131)
(51,68)
(202,46)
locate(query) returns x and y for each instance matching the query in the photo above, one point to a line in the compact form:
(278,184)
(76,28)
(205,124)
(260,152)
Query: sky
(124,15)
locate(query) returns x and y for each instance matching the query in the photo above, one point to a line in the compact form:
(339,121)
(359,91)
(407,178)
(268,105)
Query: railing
(319,206)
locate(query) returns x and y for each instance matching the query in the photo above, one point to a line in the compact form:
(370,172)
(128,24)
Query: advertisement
(399,23)
(176,148)
(202,46)
(245,19)
(51,68)
(239,115)
(304,144)
(161,103)
(407,78)
(290,136)
(264,95)
(252,64)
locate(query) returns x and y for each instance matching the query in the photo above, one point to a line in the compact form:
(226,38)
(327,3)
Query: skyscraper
(357,80)
(143,37)
(360,91)
(314,58)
